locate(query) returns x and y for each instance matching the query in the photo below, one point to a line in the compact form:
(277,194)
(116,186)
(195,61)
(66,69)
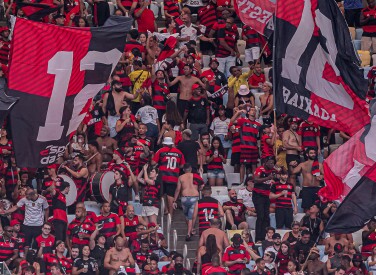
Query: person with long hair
(372,262)
(85,264)
(215,158)
(283,257)
(119,191)
(294,235)
(170,26)
(172,114)
(126,126)
(292,268)
(206,252)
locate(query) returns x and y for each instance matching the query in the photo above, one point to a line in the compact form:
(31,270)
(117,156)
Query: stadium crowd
(145,144)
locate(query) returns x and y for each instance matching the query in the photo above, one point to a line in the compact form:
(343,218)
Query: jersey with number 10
(169,161)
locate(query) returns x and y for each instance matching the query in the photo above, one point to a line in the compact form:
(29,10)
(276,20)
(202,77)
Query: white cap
(243,90)
(168,141)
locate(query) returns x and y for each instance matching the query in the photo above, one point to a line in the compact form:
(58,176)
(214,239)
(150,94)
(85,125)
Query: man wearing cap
(4,45)
(236,255)
(216,80)
(18,236)
(314,265)
(186,83)
(189,196)
(190,150)
(334,260)
(197,112)
(169,160)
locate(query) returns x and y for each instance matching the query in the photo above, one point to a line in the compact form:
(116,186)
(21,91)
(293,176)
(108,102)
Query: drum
(72,195)
(100,184)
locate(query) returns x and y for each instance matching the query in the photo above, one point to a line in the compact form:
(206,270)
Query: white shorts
(252,54)
(149,211)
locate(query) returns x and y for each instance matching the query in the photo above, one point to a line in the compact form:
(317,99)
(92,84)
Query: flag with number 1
(54,71)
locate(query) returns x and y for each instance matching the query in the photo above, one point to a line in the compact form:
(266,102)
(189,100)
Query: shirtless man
(333,240)
(292,143)
(189,196)
(185,84)
(117,256)
(112,102)
(220,235)
(94,159)
(313,173)
(314,266)
(106,144)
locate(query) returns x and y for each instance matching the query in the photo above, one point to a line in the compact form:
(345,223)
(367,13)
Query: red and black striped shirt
(59,206)
(47,182)
(130,225)
(283,201)
(230,36)
(4,52)
(169,160)
(249,133)
(7,248)
(76,228)
(207,209)
(216,163)
(263,188)
(109,224)
(127,4)
(81,184)
(7,146)
(207,16)
(160,91)
(65,263)
(235,138)
(172,7)
(253,38)
(309,132)
(146,142)
(151,195)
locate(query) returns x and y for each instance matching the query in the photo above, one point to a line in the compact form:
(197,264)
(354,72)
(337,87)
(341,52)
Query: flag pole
(274,75)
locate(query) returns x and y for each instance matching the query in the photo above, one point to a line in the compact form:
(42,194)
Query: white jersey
(246,196)
(220,127)
(34,210)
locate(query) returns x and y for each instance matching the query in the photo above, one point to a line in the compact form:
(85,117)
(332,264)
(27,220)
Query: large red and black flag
(38,9)
(344,168)
(55,71)
(258,14)
(317,69)
(358,207)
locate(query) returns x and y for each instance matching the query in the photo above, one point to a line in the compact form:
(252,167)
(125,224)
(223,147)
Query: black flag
(358,207)
(6,102)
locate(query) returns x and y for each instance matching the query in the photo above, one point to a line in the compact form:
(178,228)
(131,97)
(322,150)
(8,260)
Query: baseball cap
(338,247)
(357,257)
(195,86)
(214,60)
(221,107)
(237,239)
(14,222)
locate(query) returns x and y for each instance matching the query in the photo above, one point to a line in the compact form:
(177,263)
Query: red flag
(258,14)
(345,167)
(168,48)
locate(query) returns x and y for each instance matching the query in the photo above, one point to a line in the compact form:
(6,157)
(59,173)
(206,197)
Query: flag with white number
(317,70)
(55,71)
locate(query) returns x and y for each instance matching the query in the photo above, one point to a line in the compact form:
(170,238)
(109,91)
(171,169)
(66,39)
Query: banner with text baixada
(54,71)
(258,14)
(318,75)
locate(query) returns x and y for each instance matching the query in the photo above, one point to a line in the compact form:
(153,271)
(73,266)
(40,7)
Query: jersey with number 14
(169,160)
(207,209)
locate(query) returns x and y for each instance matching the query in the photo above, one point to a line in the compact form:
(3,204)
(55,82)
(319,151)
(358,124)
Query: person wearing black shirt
(260,267)
(303,246)
(85,264)
(98,249)
(313,223)
(197,112)
(190,150)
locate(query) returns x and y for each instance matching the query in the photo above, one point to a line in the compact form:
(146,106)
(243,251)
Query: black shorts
(207,47)
(292,157)
(235,159)
(309,196)
(169,189)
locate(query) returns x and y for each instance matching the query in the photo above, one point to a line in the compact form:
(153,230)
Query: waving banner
(258,14)
(54,71)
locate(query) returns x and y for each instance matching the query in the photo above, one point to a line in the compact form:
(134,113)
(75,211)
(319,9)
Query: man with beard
(130,221)
(313,173)
(235,212)
(107,144)
(312,222)
(302,247)
(117,256)
(276,244)
(80,229)
(112,102)
(314,266)
(176,268)
(80,175)
(216,80)
(94,159)
(236,255)
(292,142)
